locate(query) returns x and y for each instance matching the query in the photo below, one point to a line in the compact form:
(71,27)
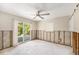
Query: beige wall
(71,24)
(60,23)
(74,22)
(6,21)
(47,26)
(9,22)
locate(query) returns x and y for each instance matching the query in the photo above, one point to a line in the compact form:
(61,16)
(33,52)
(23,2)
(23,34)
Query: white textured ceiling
(28,10)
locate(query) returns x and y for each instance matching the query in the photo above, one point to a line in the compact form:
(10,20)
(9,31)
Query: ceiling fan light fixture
(40,15)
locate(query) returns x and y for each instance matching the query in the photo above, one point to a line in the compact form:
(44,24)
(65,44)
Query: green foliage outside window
(20,29)
(26,29)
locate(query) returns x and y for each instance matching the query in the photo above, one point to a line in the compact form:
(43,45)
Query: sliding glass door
(23,32)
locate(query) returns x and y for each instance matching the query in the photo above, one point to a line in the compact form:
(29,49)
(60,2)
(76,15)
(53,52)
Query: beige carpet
(38,47)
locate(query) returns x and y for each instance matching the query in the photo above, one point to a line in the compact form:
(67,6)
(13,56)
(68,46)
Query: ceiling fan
(39,14)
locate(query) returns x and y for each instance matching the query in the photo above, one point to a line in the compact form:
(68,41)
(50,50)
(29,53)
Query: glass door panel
(20,32)
(26,31)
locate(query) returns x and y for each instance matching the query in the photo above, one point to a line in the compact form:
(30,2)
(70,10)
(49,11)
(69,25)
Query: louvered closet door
(6,39)
(0,40)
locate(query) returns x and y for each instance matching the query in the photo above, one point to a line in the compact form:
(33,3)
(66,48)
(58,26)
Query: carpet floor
(38,47)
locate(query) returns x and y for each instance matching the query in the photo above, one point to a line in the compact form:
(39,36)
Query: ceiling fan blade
(40,11)
(45,14)
(34,17)
(41,17)
(77,5)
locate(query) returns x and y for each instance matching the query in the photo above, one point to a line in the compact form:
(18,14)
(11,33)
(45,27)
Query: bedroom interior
(39,28)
